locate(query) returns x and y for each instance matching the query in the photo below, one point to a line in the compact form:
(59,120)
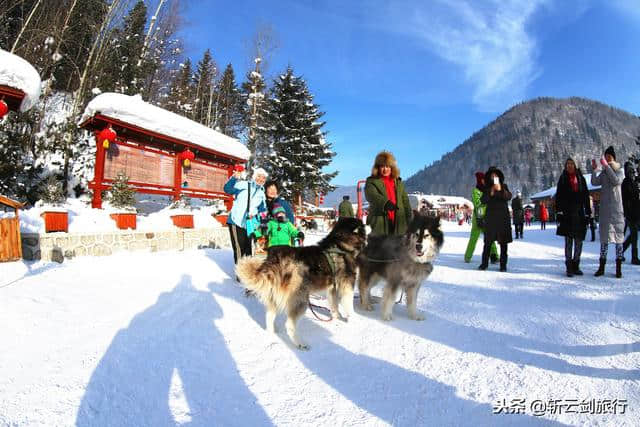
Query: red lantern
(107,136)
(321,198)
(4,108)
(187,156)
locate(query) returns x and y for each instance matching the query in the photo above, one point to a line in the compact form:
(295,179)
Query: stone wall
(57,246)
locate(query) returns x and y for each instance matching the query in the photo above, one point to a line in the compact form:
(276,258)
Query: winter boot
(576,268)
(600,271)
(618,268)
(503,262)
(570,267)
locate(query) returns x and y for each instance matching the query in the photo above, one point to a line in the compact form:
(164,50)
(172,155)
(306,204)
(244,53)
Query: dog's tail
(272,282)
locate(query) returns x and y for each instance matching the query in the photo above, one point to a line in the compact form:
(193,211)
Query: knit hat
(610,151)
(479,178)
(277,209)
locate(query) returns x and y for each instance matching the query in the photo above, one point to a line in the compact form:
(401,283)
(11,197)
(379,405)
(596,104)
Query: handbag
(479,213)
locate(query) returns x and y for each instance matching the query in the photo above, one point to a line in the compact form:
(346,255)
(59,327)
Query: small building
(10,240)
(161,152)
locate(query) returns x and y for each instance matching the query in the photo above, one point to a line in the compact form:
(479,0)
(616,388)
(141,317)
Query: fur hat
(479,178)
(610,151)
(574,160)
(385,158)
(495,170)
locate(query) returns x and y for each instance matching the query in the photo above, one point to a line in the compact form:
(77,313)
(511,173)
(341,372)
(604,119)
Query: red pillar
(177,177)
(98,175)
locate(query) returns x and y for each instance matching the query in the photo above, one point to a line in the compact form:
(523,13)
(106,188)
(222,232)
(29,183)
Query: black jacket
(572,207)
(631,200)
(497,219)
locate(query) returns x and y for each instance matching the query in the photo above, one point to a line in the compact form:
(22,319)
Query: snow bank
(168,338)
(84,219)
(133,110)
(17,73)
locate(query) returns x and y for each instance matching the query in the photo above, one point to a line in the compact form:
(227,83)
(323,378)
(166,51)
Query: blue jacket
(238,189)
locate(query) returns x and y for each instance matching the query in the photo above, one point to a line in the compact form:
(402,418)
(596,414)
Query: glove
(300,235)
(253,237)
(603,161)
(390,206)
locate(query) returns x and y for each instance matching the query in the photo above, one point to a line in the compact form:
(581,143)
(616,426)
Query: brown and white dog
(284,280)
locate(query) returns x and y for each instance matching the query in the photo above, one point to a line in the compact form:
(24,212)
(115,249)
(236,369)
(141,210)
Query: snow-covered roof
(550,192)
(17,73)
(133,110)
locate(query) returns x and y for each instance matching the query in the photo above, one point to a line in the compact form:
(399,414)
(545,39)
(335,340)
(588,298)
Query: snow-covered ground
(168,338)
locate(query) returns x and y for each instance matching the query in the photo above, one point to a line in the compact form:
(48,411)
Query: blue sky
(419,77)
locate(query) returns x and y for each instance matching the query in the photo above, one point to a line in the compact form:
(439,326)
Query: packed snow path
(168,339)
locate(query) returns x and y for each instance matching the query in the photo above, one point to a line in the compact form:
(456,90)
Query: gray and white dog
(403,262)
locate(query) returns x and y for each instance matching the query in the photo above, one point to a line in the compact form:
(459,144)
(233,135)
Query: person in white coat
(611,211)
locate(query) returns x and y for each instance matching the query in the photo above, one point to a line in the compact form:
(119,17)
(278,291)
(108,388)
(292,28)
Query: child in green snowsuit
(478,209)
(279,231)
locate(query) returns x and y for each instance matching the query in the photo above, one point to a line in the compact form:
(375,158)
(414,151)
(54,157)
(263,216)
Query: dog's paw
(302,346)
(367,307)
(416,316)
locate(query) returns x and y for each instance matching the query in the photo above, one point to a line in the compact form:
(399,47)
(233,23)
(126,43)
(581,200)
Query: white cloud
(488,39)
(628,7)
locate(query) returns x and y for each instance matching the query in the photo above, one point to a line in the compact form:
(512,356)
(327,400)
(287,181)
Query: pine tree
(19,168)
(254,96)
(229,108)
(122,194)
(51,192)
(122,69)
(180,98)
(298,150)
(203,81)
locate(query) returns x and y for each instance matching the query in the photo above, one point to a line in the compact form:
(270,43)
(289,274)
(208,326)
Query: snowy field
(168,339)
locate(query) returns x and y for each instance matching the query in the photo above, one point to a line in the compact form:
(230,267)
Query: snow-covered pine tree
(121,68)
(51,192)
(229,108)
(254,97)
(122,195)
(298,150)
(203,80)
(19,169)
(180,99)
(163,51)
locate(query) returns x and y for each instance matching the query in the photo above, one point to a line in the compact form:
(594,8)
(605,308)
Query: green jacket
(278,233)
(345,209)
(376,194)
(478,206)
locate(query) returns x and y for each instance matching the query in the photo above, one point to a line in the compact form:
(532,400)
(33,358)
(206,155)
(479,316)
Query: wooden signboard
(139,165)
(201,176)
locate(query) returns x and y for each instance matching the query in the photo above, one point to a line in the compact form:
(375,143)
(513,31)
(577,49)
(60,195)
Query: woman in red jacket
(544,216)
